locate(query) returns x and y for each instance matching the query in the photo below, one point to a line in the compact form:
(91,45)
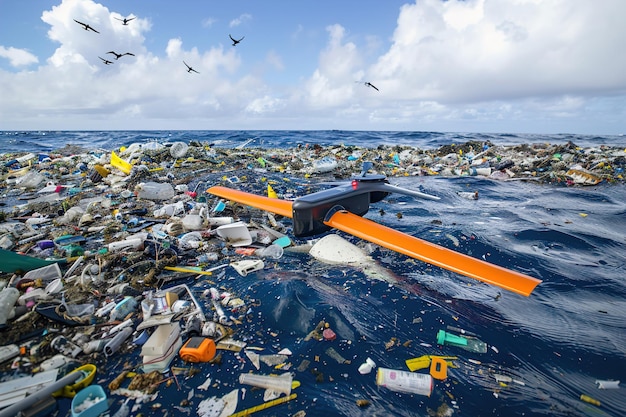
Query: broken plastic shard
(603,384)
(336,356)
(273,360)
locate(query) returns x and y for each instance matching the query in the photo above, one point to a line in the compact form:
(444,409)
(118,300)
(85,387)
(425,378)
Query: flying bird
(235,41)
(189,69)
(125,20)
(86,26)
(371,85)
(106,61)
(118,56)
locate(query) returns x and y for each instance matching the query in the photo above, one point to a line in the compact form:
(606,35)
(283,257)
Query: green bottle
(468,343)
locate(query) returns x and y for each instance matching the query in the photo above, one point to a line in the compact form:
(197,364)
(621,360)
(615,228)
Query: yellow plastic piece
(424,361)
(418,363)
(589,400)
(270,192)
(264,406)
(120,164)
(69,391)
(190,269)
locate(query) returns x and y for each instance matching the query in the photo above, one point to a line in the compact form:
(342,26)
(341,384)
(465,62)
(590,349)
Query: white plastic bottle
(404,381)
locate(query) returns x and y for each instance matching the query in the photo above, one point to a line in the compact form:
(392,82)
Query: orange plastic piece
(433,254)
(274,205)
(438,368)
(198,349)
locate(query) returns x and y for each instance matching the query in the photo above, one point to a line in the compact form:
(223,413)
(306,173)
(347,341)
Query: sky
(493,66)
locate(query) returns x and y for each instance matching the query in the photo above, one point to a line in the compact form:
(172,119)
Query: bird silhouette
(125,20)
(86,26)
(235,41)
(189,69)
(371,85)
(118,56)
(106,61)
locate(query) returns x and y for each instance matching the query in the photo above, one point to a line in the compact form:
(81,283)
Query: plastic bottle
(271,251)
(133,244)
(470,344)
(8,298)
(179,149)
(155,190)
(404,381)
(367,366)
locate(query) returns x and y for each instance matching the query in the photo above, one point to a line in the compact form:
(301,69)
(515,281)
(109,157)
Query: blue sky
(527,66)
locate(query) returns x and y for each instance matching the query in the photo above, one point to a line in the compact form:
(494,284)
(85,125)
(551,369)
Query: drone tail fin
(432,253)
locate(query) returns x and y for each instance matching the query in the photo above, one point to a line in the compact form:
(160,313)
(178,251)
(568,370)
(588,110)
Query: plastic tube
(114,344)
(276,383)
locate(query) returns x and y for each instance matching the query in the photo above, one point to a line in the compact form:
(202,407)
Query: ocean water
(554,344)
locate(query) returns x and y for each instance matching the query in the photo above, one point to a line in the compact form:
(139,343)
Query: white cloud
(240,20)
(208,22)
(477,50)
(332,84)
(18,57)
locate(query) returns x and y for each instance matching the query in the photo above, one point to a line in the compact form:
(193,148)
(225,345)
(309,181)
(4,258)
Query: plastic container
(160,363)
(161,340)
(235,234)
(244,267)
(123,308)
(198,349)
(90,402)
(280,383)
(404,381)
(471,344)
(155,190)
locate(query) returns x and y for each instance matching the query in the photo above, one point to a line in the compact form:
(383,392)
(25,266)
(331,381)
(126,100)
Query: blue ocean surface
(550,347)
